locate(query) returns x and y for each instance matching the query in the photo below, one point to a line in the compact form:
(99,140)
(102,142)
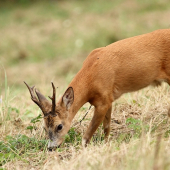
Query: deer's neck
(80,88)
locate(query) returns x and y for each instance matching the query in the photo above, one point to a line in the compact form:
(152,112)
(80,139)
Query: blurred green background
(48,40)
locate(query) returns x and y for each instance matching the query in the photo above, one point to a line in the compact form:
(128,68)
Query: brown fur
(50,121)
(108,72)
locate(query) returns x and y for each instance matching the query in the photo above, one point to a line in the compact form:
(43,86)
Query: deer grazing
(107,73)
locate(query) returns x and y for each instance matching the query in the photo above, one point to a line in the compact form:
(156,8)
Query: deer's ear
(68,98)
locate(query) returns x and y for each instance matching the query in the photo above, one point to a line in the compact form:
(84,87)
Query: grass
(48,41)
(134,126)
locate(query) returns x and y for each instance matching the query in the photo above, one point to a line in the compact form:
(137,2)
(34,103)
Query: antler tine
(53,98)
(33,97)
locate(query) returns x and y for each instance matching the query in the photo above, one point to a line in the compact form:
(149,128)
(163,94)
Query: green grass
(20,147)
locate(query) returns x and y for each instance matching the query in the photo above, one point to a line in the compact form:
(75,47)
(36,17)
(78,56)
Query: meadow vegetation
(47,41)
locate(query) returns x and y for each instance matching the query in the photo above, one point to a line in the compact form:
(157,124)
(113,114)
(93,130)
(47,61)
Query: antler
(53,100)
(41,98)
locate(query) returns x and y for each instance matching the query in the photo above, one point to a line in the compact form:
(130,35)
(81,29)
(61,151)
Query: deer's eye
(59,127)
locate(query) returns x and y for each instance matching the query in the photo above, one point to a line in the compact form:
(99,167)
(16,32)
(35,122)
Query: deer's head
(56,122)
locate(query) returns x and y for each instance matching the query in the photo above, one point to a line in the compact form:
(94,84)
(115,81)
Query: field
(47,41)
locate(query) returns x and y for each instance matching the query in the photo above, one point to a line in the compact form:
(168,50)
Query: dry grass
(149,150)
(46,42)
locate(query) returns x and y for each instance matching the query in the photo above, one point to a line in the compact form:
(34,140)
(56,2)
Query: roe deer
(108,72)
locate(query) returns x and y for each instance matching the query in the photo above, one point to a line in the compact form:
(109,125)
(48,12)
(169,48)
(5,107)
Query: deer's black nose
(50,149)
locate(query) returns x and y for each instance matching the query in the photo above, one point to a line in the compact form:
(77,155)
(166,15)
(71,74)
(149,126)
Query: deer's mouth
(52,145)
(50,149)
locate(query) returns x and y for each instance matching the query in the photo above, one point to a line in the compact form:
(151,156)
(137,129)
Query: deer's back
(129,64)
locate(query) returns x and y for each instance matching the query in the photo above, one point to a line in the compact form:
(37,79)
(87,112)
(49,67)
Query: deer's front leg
(97,119)
(106,124)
